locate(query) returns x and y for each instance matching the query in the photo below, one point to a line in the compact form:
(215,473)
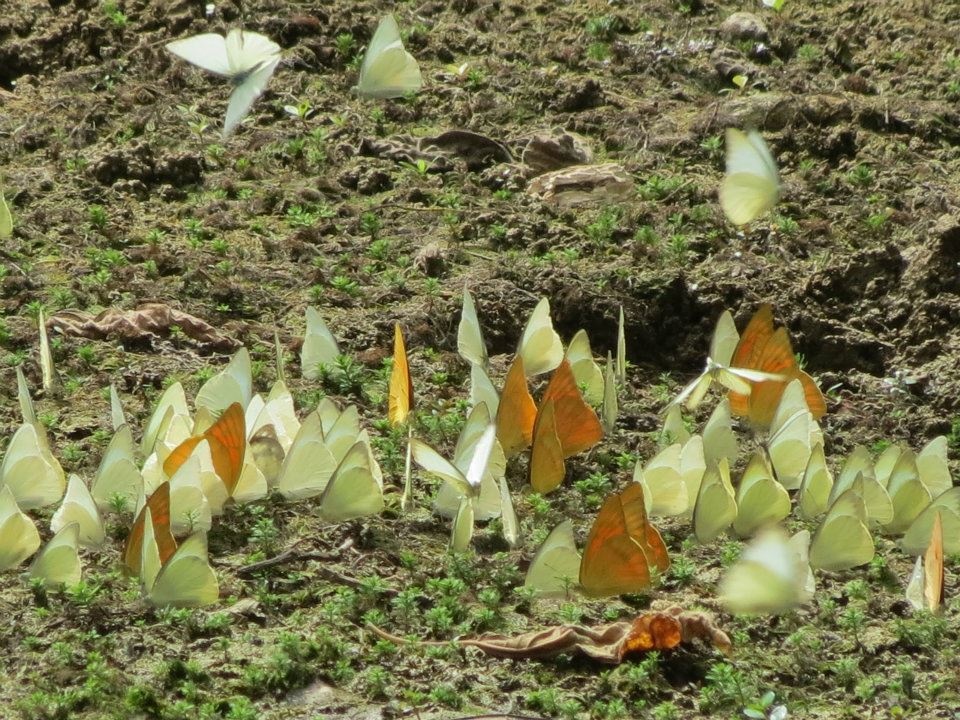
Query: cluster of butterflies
(236,447)
(502,425)
(900,493)
(248,60)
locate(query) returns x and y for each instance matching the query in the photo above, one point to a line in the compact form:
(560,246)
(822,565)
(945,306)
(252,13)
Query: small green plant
(861,175)
(346,45)
(97,216)
(343,284)
(808,53)
(113,13)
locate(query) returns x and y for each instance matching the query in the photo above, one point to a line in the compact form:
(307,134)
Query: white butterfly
(751,185)
(247,58)
(388,70)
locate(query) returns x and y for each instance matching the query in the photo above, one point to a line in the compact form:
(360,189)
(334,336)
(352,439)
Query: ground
(124,193)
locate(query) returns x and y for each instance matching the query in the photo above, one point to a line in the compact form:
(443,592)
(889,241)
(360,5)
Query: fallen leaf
(610,644)
(145,324)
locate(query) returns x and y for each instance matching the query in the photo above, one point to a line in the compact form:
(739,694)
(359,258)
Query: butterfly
(482,390)
(516,411)
(172,403)
(226,441)
(30,471)
(718,368)
(117,475)
(624,552)
(356,487)
(555,568)
(388,70)
(319,346)
(716,505)
(761,500)
(843,539)
(793,433)
(234,384)
(858,467)
(540,346)
(917,537)
(751,185)
(586,372)
(276,412)
(400,395)
(117,419)
(247,59)
(51,381)
(925,587)
(771,576)
(78,508)
(621,350)
(611,405)
(664,481)
(19,538)
(156,508)
(565,425)
(908,495)
(184,578)
(767,350)
(813,499)
(309,463)
(470,343)
(59,562)
(6,219)
(508,516)
(719,440)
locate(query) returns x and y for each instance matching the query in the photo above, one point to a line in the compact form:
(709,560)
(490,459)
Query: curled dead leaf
(609,644)
(145,324)
(583,185)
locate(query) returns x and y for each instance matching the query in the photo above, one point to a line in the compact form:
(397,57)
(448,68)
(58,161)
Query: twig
(287,556)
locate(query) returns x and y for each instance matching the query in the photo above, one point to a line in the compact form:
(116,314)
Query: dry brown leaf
(583,185)
(610,644)
(145,324)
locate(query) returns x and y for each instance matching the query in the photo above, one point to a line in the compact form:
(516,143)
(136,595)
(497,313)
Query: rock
(744,26)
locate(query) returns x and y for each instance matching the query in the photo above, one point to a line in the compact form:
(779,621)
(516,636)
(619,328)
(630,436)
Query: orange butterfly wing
(933,567)
(159,504)
(228,442)
(767,350)
(546,457)
(400,399)
(178,456)
(622,547)
(517,412)
(577,424)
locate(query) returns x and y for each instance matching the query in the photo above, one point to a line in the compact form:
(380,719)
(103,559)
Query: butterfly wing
(751,185)
(186,579)
(58,563)
(540,346)
(78,508)
(578,427)
(623,549)
(470,343)
(246,92)
(207,51)
(400,400)
(319,346)
(555,567)
(158,506)
(6,219)
(546,456)
(388,70)
(19,538)
(516,412)
(228,441)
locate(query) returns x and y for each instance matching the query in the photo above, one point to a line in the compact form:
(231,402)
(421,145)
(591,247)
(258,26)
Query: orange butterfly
(159,504)
(623,549)
(767,350)
(517,411)
(227,439)
(565,426)
(400,399)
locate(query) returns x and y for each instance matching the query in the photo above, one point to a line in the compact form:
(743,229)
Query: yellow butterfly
(59,563)
(772,575)
(761,500)
(540,346)
(319,346)
(185,579)
(555,567)
(843,539)
(751,185)
(78,508)
(19,538)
